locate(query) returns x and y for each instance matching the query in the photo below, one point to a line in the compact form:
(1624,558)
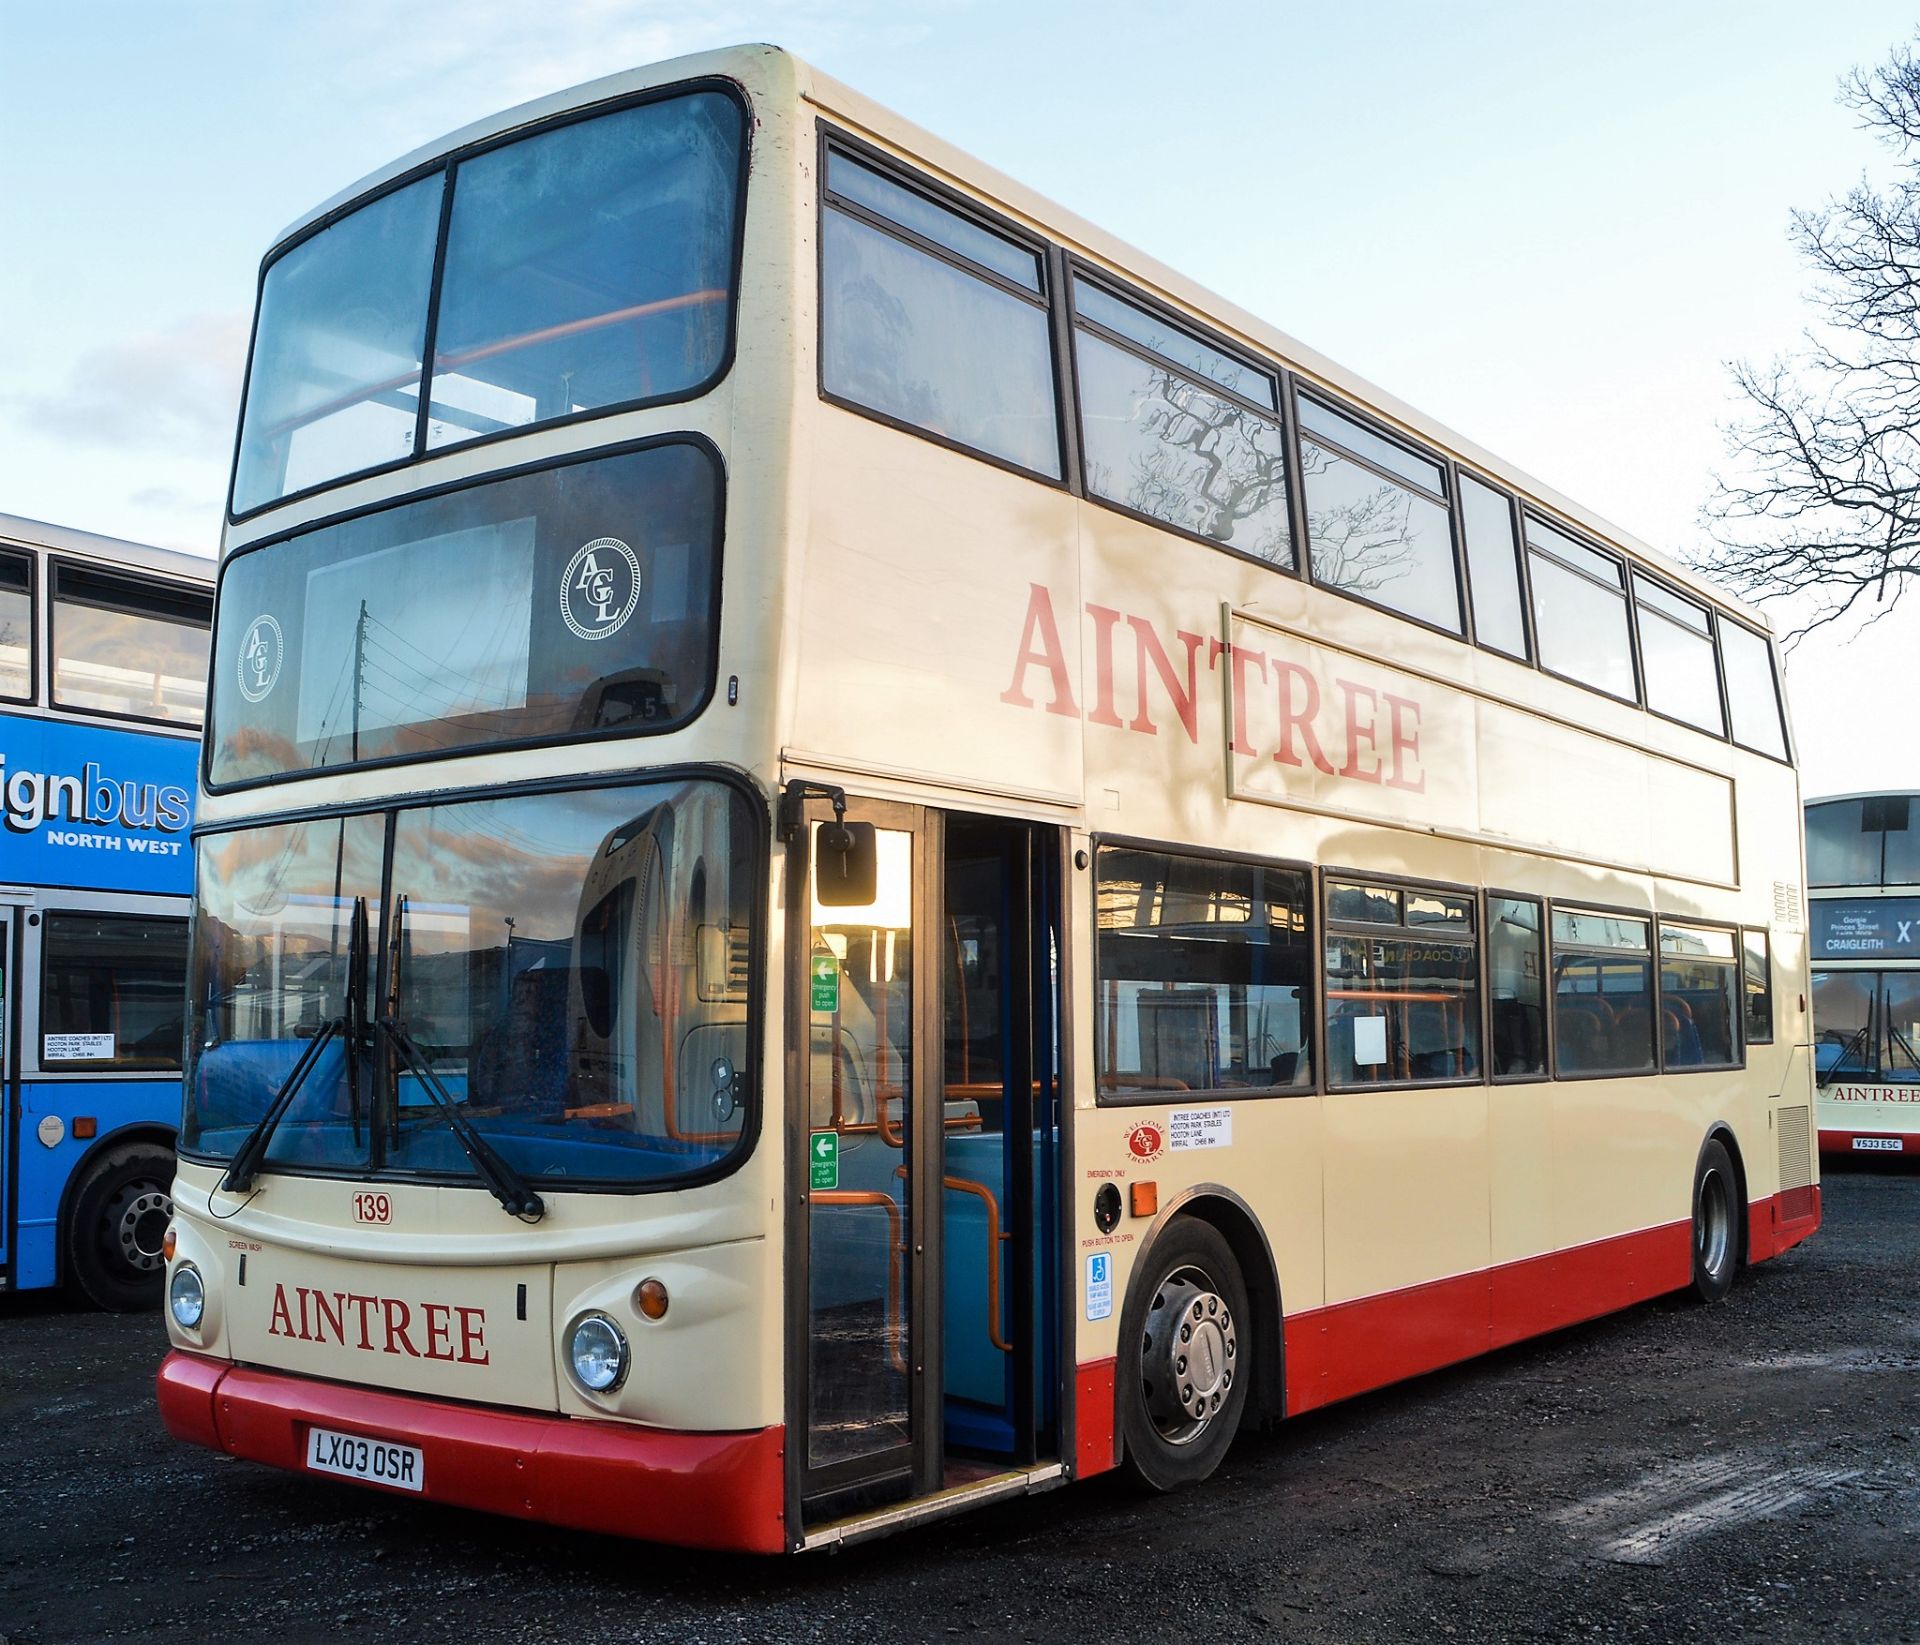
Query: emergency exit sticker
(1100,1285)
(1200,1128)
(823,1160)
(826,983)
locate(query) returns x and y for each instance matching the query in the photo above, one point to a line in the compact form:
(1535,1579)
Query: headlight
(186,1296)
(597,1351)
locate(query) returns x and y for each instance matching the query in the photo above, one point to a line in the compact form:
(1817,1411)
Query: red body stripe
(696,1490)
(1095,1444)
(1350,1347)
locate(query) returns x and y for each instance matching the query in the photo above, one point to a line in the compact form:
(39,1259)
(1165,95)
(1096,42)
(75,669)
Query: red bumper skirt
(697,1490)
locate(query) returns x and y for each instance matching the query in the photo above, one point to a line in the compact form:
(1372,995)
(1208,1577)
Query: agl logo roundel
(1145,1141)
(600,589)
(262,650)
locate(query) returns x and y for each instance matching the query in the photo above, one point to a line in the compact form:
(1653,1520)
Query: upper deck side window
(16,627)
(1580,611)
(932,318)
(125,646)
(1493,568)
(1378,520)
(1677,656)
(587,266)
(1752,693)
(1178,429)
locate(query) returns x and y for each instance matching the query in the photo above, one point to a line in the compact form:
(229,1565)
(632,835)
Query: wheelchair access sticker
(1100,1285)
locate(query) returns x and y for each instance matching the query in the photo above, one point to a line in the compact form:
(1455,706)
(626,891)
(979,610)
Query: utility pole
(359,663)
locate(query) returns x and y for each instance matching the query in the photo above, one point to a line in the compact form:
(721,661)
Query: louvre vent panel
(1796,1162)
(1786,905)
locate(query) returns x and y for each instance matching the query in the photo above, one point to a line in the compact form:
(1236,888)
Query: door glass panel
(860,1016)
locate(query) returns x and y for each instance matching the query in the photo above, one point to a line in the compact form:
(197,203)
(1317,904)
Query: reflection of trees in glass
(1362,539)
(1201,462)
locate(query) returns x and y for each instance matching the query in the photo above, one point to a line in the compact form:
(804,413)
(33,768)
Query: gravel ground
(1750,1471)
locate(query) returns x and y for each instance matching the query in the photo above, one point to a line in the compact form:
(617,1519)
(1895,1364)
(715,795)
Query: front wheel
(1184,1351)
(1716,1235)
(120,1214)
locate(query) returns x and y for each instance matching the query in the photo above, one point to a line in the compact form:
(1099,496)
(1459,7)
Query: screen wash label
(94,806)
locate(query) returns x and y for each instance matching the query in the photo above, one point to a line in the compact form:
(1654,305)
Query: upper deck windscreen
(573,601)
(586,266)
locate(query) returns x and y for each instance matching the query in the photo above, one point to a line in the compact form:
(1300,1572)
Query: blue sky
(1547,225)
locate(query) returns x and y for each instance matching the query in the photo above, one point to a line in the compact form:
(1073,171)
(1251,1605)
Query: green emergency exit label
(826,983)
(823,1160)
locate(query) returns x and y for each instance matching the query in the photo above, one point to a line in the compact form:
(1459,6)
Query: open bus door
(925,1138)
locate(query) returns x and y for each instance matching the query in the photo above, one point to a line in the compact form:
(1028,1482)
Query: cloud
(174,390)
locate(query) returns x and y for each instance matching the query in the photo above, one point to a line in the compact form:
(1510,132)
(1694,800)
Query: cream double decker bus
(859,854)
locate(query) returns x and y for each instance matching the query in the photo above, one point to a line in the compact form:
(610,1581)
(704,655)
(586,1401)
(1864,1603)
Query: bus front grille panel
(1796,1163)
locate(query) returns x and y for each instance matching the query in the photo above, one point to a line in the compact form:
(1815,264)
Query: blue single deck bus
(103,679)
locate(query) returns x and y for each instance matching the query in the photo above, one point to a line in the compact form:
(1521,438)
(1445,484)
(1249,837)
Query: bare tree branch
(1821,504)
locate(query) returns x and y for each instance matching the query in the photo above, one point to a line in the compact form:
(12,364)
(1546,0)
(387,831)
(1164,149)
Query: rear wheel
(1716,1233)
(1184,1359)
(119,1215)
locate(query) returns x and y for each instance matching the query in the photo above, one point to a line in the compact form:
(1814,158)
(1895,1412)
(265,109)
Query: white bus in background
(935,862)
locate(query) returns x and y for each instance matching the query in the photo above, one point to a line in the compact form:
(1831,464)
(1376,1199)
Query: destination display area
(1877,928)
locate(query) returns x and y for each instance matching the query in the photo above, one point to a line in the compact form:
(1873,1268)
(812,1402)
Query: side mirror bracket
(847,870)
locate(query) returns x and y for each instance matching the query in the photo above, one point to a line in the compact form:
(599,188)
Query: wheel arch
(154,1131)
(1233,1219)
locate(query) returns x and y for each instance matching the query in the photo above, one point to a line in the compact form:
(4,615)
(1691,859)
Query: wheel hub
(1188,1359)
(137,1223)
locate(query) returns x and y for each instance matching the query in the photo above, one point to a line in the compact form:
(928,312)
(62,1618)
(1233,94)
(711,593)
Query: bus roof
(876,122)
(165,562)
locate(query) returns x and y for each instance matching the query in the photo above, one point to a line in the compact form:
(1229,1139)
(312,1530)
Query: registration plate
(1876,1145)
(379,1461)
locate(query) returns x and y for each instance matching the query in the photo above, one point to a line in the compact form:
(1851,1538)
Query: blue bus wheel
(118,1216)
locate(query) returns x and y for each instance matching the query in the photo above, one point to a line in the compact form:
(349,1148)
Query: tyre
(1185,1340)
(1716,1229)
(118,1215)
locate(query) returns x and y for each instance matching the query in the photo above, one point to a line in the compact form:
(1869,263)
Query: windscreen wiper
(354,1022)
(1839,1064)
(248,1157)
(1896,1038)
(502,1181)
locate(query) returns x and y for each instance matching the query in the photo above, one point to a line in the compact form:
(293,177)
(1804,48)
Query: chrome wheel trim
(137,1222)
(1189,1355)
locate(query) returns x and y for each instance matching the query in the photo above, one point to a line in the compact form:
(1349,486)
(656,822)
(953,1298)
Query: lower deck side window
(1602,994)
(1516,988)
(1403,990)
(1699,997)
(113,991)
(1204,976)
